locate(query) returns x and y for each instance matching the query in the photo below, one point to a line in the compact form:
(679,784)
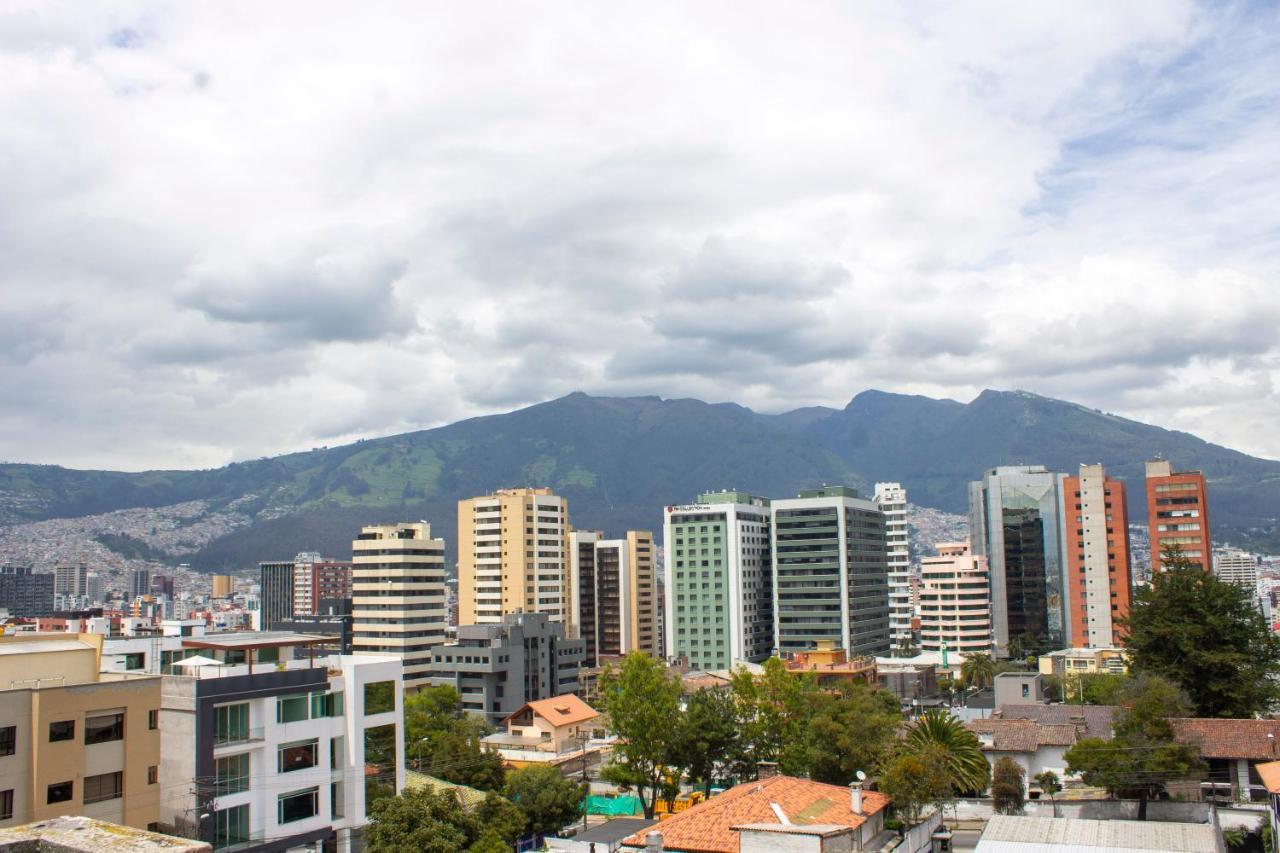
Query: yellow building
(512,548)
(73,740)
(222,586)
(1083,661)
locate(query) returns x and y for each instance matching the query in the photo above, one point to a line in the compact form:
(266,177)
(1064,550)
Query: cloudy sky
(236,229)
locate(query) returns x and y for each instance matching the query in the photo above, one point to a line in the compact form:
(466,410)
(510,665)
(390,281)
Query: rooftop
(1270,775)
(1255,740)
(1096,719)
(74,834)
(1017,834)
(25,646)
(234,640)
(560,710)
(614,830)
(1024,735)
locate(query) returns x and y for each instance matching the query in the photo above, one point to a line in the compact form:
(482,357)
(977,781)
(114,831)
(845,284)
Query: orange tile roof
(708,826)
(1270,774)
(1221,738)
(560,710)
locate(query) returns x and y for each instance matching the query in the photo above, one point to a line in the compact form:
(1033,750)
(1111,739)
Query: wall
(15,770)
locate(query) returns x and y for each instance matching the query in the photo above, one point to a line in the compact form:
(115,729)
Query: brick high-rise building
(1098,589)
(1178,514)
(614,593)
(315,579)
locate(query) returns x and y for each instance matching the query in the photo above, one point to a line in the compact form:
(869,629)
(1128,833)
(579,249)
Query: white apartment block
(955,601)
(891,498)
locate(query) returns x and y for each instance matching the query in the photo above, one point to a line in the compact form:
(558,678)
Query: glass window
(326,705)
(231,774)
(108,786)
(6,804)
(62,730)
(379,697)
(291,709)
(269,655)
(296,756)
(153,719)
(8,740)
(230,826)
(153,774)
(104,728)
(298,805)
(231,723)
(59,792)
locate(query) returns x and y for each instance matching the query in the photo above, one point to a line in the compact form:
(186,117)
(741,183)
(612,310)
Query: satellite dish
(862,777)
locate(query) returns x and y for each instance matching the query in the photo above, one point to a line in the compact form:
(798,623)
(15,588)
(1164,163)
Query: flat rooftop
(75,834)
(233,640)
(24,646)
(1018,834)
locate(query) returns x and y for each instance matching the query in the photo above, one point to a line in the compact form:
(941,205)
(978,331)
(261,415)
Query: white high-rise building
(891,498)
(1237,567)
(955,601)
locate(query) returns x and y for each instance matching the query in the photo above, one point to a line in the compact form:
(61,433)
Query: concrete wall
(15,770)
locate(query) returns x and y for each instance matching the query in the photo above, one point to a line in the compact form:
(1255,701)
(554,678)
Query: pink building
(955,601)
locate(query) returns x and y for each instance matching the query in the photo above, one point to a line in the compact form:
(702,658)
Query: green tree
(978,670)
(966,765)
(1007,792)
(499,816)
(549,801)
(1094,688)
(642,702)
(707,737)
(1051,785)
(1207,636)
(490,842)
(1143,755)
(429,715)
(418,819)
(459,758)
(853,731)
(774,710)
(914,779)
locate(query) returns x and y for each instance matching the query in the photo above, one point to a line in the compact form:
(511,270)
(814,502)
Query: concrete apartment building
(955,601)
(830,572)
(74,740)
(267,747)
(397,596)
(613,593)
(315,579)
(1015,521)
(891,499)
(1178,514)
(71,580)
(1098,588)
(513,556)
(498,668)
(25,593)
(718,583)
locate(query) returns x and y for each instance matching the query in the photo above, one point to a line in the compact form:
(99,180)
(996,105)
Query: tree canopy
(549,800)
(1007,792)
(967,766)
(435,822)
(642,701)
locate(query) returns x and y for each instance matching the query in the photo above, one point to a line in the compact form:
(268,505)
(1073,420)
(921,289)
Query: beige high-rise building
(613,593)
(397,595)
(222,586)
(955,601)
(512,557)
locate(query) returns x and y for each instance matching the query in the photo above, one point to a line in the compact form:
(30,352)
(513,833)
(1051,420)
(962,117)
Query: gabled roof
(1270,774)
(1023,735)
(558,710)
(1095,719)
(1218,738)
(709,826)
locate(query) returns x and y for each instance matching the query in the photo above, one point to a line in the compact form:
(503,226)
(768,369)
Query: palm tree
(978,670)
(967,765)
(1049,784)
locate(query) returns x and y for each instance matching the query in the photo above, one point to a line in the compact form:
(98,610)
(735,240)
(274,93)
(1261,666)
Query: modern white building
(891,498)
(718,590)
(1236,566)
(955,601)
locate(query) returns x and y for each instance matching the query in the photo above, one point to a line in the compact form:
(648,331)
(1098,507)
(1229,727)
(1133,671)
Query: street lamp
(421,741)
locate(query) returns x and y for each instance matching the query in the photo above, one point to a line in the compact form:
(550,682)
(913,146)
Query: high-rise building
(275,592)
(139,583)
(24,592)
(1098,585)
(95,588)
(1015,521)
(830,572)
(222,586)
(315,579)
(397,595)
(70,580)
(162,585)
(512,557)
(891,499)
(1178,514)
(613,593)
(717,583)
(955,601)
(1238,567)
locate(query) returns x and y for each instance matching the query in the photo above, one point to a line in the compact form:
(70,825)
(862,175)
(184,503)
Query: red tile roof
(708,826)
(559,710)
(1218,738)
(1269,772)
(1023,735)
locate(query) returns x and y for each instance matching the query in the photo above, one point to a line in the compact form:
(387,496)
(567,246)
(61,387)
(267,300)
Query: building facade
(1015,521)
(498,668)
(830,572)
(222,586)
(613,593)
(717,586)
(1098,587)
(955,601)
(397,596)
(139,583)
(275,594)
(1238,567)
(891,499)
(315,579)
(1178,514)
(513,556)
(25,593)
(71,580)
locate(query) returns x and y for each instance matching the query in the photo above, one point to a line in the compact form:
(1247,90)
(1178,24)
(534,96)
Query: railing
(250,735)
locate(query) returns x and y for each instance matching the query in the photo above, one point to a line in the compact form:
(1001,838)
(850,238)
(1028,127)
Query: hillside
(619,460)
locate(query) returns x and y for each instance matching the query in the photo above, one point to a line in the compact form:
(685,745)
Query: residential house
(1083,661)
(832,666)
(548,731)
(1233,749)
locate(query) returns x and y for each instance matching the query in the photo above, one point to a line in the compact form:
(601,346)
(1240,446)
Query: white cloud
(234,230)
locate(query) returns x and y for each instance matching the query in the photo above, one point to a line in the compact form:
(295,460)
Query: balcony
(239,738)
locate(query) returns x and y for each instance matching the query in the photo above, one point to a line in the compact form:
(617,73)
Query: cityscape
(639,428)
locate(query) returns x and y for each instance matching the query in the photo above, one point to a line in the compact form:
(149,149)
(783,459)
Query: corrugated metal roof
(1014,834)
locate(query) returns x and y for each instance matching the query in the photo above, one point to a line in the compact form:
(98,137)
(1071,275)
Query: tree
(853,731)
(959,747)
(459,758)
(707,737)
(499,816)
(419,819)
(1006,786)
(916,778)
(1050,784)
(643,702)
(489,842)
(1207,636)
(1143,754)
(549,801)
(774,710)
(978,670)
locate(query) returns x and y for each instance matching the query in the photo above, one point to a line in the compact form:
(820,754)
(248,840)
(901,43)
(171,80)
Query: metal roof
(1016,834)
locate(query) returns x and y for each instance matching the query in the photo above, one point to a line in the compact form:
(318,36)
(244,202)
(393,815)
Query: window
(291,709)
(153,774)
(104,728)
(6,804)
(335,799)
(8,740)
(230,826)
(379,697)
(231,723)
(59,792)
(298,805)
(326,705)
(296,756)
(135,660)
(108,786)
(231,774)
(62,730)
(153,719)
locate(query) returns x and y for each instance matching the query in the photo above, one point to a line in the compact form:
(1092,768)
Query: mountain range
(619,461)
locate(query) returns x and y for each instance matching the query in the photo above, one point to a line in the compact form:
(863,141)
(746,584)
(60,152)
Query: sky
(236,229)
